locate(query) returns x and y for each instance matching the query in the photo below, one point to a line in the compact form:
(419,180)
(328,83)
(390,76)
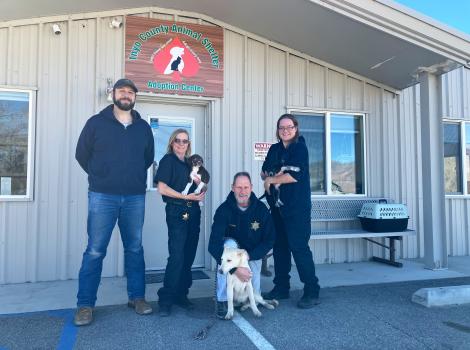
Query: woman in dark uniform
(292,218)
(183,218)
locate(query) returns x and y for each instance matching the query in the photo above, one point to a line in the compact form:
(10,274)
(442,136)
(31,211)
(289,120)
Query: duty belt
(180,202)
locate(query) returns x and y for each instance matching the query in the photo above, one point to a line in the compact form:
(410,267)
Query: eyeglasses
(181,141)
(286,128)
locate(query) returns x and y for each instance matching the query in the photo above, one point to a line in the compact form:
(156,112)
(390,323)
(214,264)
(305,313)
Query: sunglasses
(181,141)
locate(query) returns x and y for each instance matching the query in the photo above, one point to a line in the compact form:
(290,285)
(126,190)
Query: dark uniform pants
(183,235)
(292,236)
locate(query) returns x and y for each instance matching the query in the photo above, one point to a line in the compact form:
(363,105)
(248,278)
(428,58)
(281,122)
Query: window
(16,133)
(335,142)
(452,158)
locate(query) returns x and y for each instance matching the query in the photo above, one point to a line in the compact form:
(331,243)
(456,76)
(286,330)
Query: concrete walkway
(364,306)
(29,297)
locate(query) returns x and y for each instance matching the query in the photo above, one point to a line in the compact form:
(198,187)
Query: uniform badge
(186,216)
(254,225)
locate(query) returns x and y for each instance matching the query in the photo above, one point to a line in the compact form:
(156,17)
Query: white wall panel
(297,81)
(255,108)
(336,90)
(316,86)
(4,56)
(22,69)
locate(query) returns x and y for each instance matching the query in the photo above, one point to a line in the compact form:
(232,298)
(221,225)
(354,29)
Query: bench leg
(392,249)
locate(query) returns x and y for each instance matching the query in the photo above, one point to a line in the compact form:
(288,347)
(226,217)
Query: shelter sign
(174,57)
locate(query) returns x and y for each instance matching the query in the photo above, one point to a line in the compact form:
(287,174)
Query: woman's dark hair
(294,120)
(240,174)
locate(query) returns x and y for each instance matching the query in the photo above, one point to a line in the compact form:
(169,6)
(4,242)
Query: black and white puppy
(273,198)
(195,163)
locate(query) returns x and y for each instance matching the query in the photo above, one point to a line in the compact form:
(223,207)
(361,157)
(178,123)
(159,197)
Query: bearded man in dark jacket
(244,222)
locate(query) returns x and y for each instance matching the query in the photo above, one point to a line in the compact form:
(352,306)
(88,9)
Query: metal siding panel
(409,158)
(51,126)
(255,109)
(3,57)
(108,54)
(276,94)
(336,90)
(24,46)
(316,84)
(80,107)
(374,139)
(466,93)
(296,84)
(354,94)
(452,89)
(232,132)
(3,242)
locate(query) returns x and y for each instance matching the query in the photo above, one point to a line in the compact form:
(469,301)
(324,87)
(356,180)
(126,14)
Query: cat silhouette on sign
(177,60)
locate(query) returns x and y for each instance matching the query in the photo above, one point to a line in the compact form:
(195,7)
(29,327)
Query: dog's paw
(269,306)
(229,315)
(257,313)
(273,302)
(244,307)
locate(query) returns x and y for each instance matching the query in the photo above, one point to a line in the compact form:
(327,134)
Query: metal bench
(344,210)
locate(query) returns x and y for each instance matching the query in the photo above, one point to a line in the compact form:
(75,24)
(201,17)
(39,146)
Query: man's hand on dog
(244,274)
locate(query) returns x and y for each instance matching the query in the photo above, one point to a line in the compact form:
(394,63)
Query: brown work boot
(83,316)
(140,306)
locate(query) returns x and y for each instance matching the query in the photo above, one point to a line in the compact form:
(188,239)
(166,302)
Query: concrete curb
(442,296)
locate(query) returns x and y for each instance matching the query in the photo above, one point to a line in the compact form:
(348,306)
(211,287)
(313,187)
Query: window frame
(327,115)
(32,95)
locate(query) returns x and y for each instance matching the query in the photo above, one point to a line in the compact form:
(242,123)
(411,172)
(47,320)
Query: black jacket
(115,158)
(253,228)
(296,195)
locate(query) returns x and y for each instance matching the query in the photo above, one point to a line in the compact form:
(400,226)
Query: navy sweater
(296,195)
(115,158)
(253,228)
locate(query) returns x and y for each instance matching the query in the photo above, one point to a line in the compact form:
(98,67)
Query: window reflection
(312,128)
(346,155)
(452,177)
(14,117)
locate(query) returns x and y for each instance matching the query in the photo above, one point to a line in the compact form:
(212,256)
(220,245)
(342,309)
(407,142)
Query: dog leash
(204,332)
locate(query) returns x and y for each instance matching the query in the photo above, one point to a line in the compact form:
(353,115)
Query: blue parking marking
(68,336)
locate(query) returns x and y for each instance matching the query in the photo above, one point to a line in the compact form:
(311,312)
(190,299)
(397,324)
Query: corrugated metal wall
(44,239)
(456,105)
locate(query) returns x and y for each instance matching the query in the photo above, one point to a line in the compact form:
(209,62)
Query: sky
(454,13)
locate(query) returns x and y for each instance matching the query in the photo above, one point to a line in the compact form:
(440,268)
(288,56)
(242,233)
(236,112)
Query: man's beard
(242,201)
(124,107)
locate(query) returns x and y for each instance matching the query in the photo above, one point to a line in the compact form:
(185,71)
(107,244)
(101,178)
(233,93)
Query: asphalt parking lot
(379,316)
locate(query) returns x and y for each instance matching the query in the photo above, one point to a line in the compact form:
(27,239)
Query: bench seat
(347,210)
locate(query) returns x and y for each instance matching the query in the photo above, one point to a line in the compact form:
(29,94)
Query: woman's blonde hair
(169,148)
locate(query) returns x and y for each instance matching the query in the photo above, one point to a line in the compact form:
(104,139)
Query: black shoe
(185,303)
(221,309)
(165,310)
(307,302)
(277,294)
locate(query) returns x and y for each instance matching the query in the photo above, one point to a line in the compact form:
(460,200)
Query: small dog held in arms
(195,162)
(273,198)
(238,291)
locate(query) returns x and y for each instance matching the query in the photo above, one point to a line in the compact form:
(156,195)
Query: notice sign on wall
(174,57)
(261,150)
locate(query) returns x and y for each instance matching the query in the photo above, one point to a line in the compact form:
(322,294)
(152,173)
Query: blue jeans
(103,212)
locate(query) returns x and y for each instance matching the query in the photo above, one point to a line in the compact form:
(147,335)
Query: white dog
(237,290)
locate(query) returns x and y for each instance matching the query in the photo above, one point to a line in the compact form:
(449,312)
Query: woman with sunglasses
(183,218)
(292,218)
